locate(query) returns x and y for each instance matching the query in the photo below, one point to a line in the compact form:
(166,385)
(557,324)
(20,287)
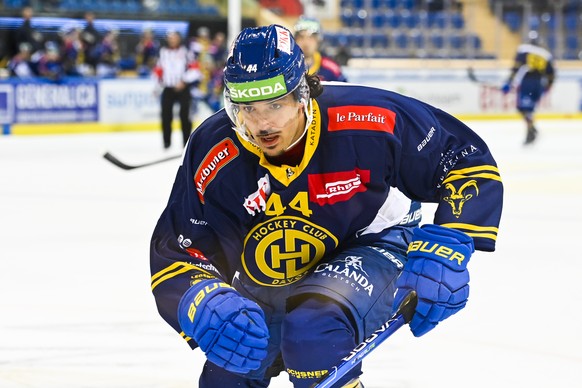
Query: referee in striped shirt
(176,71)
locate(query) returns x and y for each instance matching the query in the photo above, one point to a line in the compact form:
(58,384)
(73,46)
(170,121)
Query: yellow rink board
(75,128)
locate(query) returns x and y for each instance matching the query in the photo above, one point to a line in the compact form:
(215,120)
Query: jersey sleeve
(183,247)
(445,162)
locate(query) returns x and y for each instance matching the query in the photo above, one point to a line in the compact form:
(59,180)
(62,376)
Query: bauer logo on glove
(437,271)
(436,249)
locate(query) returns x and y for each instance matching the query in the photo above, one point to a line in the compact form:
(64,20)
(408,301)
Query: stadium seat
(379,40)
(513,20)
(457,21)
(347,17)
(457,41)
(437,40)
(408,4)
(552,42)
(361,18)
(377,4)
(417,39)
(378,19)
(15,3)
(356,39)
(473,42)
(391,4)
(393,19)
(535,22)
(437,20)
(400,39)
(410,19)
(571,21)
(572,42)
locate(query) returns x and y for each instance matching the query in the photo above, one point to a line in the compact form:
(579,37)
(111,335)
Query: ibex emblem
(458,198)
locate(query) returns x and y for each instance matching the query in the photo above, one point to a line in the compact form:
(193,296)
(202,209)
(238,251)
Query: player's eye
(248,108)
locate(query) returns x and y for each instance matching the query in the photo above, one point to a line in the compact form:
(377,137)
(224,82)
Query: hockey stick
(124,166)
(473,78)
(399,319)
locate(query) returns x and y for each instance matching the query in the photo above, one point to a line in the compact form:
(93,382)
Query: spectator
(199,47)
(21,65)
(107,54)
(90,38)
(146,53)
(70,50)
(49,64)
(217,52)
(25,33)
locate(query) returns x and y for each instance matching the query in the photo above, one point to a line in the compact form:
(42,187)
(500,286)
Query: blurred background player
(307,32)
(176,71)
(532,74)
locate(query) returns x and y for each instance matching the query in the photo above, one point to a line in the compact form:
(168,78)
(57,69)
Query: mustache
(266,132)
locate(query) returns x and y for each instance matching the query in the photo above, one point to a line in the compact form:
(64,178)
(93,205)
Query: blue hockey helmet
(264,63)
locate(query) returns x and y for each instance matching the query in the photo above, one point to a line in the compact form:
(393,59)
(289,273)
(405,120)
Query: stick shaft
(125,166)
(399,319)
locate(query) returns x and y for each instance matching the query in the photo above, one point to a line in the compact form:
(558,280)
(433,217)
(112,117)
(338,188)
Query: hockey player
(308,37)
(533,74)
(284,241)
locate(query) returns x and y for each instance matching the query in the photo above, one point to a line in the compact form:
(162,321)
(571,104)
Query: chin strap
(308,110)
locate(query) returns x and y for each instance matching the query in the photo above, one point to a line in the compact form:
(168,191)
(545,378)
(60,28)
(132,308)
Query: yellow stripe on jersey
(484,171)
(185,336)
(474,230)
(173,270)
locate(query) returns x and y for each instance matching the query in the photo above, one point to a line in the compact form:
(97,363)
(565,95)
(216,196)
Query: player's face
(274,125)
(308,43)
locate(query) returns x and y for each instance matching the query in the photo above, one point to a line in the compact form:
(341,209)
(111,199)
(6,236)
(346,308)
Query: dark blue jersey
(533,63)
(368,152)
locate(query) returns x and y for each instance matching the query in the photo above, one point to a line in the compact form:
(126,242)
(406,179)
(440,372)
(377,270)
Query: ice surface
(75,303)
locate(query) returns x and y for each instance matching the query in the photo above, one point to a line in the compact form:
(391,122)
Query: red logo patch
(218,157)
(372,118)
(336,187)
(196,254)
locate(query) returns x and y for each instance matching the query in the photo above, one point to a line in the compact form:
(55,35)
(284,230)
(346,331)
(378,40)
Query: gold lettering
(443,251)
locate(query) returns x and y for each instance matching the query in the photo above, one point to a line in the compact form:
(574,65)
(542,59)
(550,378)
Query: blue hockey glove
(506,88)
(229,328)
(437,271)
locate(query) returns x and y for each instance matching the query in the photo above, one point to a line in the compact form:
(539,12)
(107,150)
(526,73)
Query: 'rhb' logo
(372,118)
(337,186)
(218,157)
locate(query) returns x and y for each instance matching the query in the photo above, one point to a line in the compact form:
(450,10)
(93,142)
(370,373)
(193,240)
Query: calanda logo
(348,270)
(282,250)
(257,90)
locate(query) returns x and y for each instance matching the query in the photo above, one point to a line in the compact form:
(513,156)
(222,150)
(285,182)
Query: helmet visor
(245,109)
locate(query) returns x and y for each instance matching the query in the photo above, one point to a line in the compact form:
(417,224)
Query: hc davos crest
(348,270)
(282,250)
(458,197)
